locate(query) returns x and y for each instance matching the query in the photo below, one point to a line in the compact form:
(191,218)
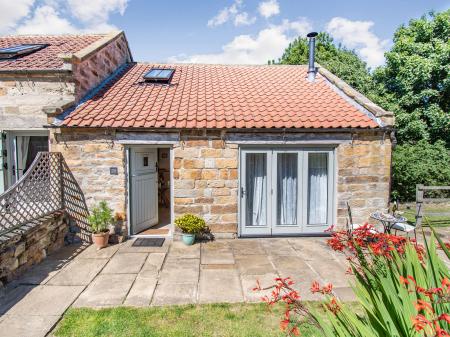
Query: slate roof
(47,58)
(219,96)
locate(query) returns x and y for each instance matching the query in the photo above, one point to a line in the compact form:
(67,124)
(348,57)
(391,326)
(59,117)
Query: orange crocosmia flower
(315,287)
(446,283)
(284,324)
(444,317)
(295,331)
(327,289)
(403,280)
(258,286)
(420,322)
(412,279)
(423,305)
(334,306)
(441,332)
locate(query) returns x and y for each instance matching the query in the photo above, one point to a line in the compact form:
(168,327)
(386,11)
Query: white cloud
(11,12)
(357,35)
(225,14)
(269,8)
(58,16)
(46,20)
(243,19)
(95,13)
(268,44)
(232,13)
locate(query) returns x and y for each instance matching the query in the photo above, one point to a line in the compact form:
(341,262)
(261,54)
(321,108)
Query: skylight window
(159,75)
(20,50)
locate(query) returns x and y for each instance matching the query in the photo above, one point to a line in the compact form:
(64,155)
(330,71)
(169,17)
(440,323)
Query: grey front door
(144,189)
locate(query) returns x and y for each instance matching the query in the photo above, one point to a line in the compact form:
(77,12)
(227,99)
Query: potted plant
(99,220)
(190,225)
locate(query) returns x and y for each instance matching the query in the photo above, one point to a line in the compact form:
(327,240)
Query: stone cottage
(255,150)
(42,75)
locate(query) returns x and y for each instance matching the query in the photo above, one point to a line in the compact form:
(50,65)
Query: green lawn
(436,221)
(218,320)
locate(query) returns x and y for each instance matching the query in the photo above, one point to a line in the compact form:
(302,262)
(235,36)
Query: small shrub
(190,224)
(421,163)
(100,217)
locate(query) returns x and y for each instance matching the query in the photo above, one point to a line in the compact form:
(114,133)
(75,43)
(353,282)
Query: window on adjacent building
(159,75)
(20,50)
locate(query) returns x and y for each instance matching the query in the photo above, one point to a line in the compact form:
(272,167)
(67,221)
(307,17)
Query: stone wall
(20,251)
(363,176)
(206,182)
(90,155)
(205,171)
(23,98)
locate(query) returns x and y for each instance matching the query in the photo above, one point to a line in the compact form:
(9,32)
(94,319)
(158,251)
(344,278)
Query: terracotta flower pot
(100,239)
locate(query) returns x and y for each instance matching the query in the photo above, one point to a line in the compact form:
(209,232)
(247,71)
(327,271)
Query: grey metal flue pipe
(312,51)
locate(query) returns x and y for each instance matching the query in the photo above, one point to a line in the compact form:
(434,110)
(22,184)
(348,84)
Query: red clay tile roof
(47,58)
(219,96)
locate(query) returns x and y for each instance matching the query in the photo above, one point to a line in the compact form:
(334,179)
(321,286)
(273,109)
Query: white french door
(21,148)
(286,191)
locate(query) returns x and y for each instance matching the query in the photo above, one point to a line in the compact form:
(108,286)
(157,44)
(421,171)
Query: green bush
(100,217)
(421,163)
(190,224)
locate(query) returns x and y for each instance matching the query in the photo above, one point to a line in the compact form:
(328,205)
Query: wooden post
(61,180)
(419,205)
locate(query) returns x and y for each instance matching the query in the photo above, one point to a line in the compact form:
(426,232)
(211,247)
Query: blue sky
(225,31)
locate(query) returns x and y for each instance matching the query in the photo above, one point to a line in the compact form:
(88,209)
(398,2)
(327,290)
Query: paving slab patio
(79,272)
(220,285)
(106,290)
(141,292)
(219,271)
(126,263)
(28,326)
(217,252)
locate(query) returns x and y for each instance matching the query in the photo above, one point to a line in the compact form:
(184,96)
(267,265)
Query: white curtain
(256,186)
(318,188)
(287,188)
(22,153)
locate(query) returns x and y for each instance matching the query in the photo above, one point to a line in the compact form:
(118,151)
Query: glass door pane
(317,188)
(255,192)
(287,189)
(36,144)
(256,189)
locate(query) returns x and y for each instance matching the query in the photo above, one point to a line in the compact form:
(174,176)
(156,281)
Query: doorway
(286,191)
(19,149)
(150,197)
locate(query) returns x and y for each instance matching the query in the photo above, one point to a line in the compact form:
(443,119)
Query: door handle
(242,192)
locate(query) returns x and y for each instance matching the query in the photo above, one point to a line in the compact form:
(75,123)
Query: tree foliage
(414,84)
(421,163)
(416,79)
(342,62)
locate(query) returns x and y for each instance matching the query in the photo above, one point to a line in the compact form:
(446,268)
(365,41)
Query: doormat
(148,242)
